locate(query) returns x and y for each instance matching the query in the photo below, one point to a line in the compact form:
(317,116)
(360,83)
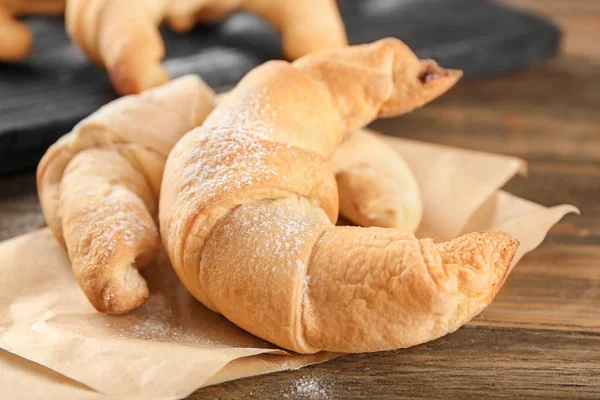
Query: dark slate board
(43,97)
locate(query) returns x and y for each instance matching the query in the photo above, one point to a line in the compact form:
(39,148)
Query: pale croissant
(99,186)
(123,35)
(249,201)
(15,36)
(376,187)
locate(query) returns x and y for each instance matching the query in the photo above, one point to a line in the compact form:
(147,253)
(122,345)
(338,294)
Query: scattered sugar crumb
(309,387)
(157,321)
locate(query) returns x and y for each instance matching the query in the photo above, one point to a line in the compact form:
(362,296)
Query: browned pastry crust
(123,35)
(99,187)
(249,201)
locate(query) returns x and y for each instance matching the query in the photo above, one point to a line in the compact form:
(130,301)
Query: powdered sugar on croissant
(249,202)
(99,186)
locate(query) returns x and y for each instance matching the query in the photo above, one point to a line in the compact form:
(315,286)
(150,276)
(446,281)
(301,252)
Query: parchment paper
(173,345)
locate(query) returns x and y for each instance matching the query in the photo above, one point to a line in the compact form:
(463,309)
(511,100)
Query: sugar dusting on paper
(308,387)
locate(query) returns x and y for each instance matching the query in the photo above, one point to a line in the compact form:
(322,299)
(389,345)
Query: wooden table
(541,336)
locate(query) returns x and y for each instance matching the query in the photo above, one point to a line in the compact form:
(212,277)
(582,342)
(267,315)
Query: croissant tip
(126,83)
(114,304)
(20,47)
(504,255)
(120,297)
(497,247)
(434,75)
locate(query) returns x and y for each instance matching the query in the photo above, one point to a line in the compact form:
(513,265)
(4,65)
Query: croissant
(123,35)
(15,36)
(249,201)
(99,186)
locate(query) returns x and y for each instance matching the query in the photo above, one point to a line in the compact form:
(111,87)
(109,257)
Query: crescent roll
(249,201)
(123,35)
(99,186)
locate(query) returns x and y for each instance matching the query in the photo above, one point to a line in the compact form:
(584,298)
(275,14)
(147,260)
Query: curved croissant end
(278,269)
(123,36)
(376,186)
(390,290)
(397,83)
(106,209)
(249,200)
(305,26)
(15,37)
(99,186)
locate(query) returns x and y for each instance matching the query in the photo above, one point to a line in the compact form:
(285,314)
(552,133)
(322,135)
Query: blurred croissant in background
(123,36)
(15,37)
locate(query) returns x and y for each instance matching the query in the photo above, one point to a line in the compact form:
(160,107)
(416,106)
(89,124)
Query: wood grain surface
(541,336)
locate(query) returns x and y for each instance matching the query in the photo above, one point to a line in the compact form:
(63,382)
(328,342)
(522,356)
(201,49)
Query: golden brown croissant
(249,201)
(123,35)
(15,37)
(99,186)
